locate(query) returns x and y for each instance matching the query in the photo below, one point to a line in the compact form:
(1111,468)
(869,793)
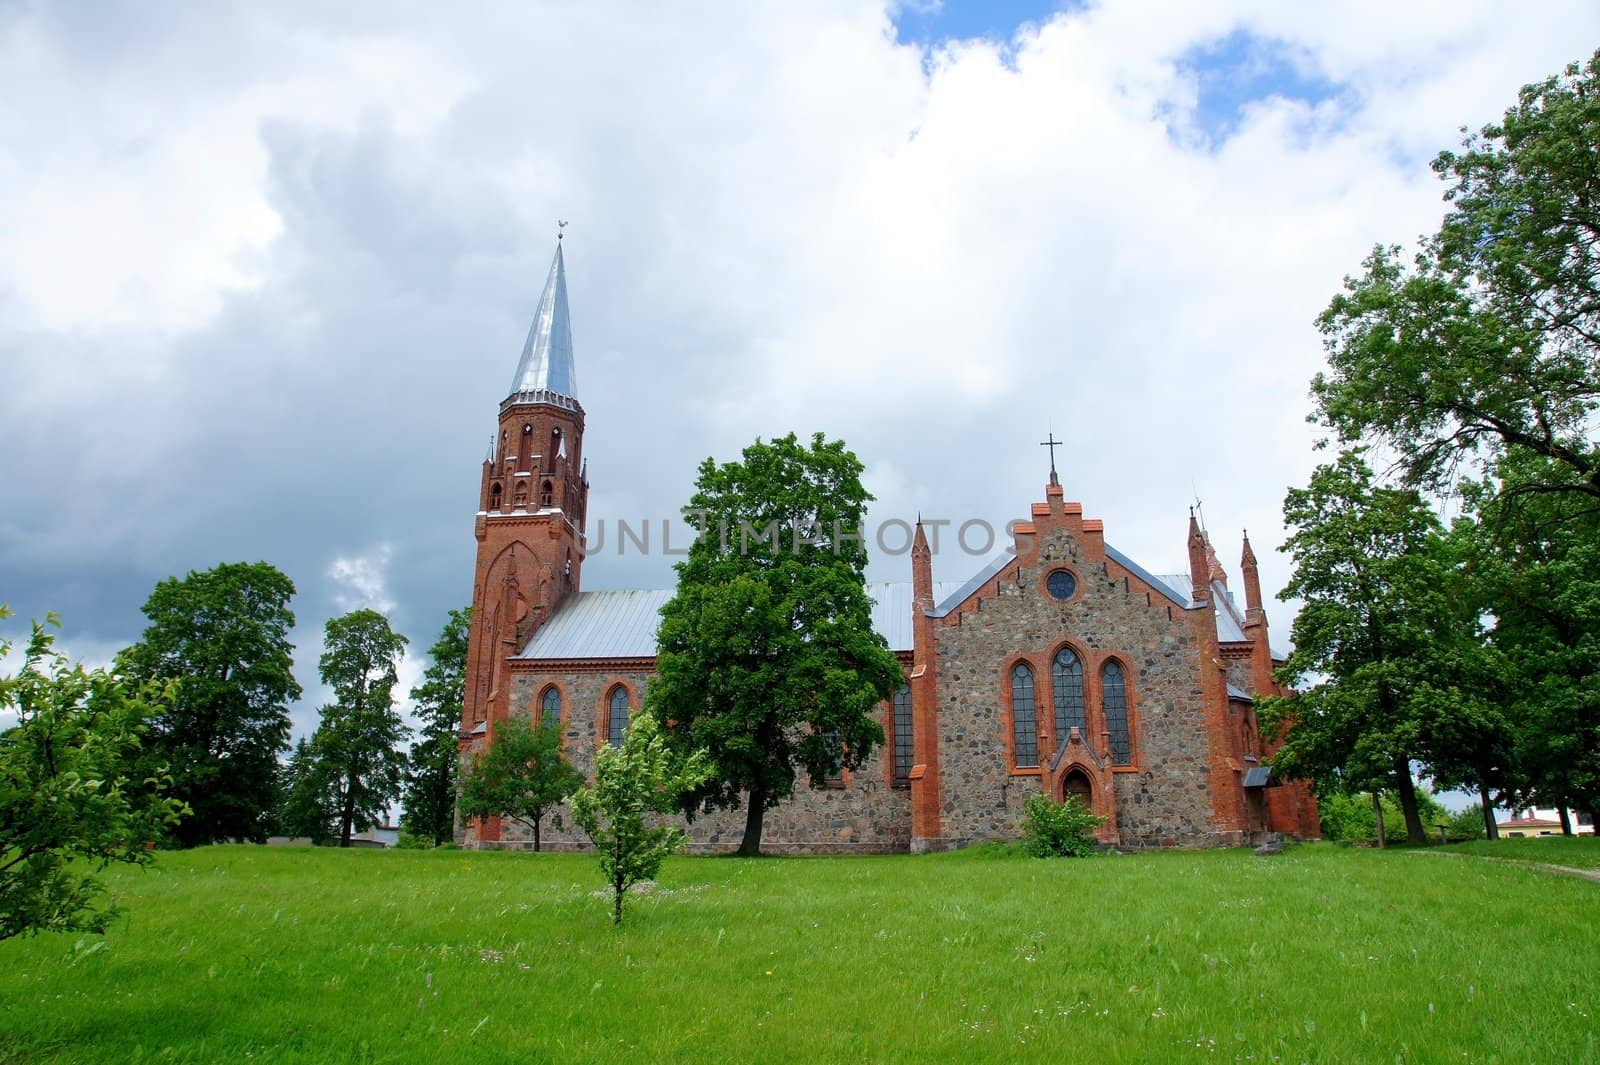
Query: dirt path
(1543,867)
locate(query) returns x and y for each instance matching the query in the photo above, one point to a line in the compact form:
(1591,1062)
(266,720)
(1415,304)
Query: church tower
(531,508)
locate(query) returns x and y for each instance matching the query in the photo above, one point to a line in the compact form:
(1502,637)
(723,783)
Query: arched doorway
(1075,783)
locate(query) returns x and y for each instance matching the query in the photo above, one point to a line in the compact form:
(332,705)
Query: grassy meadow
(1574,852)
(1322,954)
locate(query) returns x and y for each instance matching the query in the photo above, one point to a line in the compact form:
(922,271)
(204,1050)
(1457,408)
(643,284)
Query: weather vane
(561,228)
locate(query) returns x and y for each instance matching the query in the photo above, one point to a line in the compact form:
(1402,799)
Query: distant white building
(1543,821)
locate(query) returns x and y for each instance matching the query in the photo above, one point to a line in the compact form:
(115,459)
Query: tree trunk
(536,820)
(1490,829)
(619,883)
(347,817)
(1377,813)
(1415,833)
(1566,820)
(750,846)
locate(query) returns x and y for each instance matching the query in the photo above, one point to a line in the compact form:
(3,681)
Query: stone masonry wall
(868,815)
(1164,798)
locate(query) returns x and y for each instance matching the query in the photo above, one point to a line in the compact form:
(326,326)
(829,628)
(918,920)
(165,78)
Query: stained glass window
(1024,721)
(1061,584)
(1114,698)
(550,707)
(617,716)
(1066,677)
(904,755)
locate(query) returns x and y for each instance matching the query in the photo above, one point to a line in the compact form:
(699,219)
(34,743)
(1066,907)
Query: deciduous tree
(1385,639)
(767,657)
(69,805)
(635,785)
(1540,554)
(223,636)
(357,764)
(522,776)
(430,802)
(1491,339)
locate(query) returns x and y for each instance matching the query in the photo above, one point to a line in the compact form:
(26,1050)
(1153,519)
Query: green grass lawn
(1322,954)
(1575,852)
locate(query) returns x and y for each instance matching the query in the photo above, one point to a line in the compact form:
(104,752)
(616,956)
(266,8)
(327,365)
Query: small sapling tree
(68,804)
(635,785)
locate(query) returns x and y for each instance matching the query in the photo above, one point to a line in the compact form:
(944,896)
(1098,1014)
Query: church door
(1075,783)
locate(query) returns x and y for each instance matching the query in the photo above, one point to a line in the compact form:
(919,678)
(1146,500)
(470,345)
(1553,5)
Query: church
(1063,667)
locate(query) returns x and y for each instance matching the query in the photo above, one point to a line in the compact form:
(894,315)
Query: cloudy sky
(265,270)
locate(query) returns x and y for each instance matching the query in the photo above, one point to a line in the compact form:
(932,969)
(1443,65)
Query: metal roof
(622,624)
(602,625)
(962,592)
(1236,692)
(1178,594)
(546,364)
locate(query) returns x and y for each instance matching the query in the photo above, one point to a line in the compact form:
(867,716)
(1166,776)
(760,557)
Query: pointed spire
(1252,578)
(921,569)
(1199,569)
(546,364)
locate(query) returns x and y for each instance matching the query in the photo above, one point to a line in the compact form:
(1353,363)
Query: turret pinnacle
(546,364)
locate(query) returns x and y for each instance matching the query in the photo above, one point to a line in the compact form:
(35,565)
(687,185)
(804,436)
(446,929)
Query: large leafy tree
(767,657)
(522,776)
(223,636)
(1491,339)
(1388,647)
(71,799)
(1540,554)
(357,765)
(430,802)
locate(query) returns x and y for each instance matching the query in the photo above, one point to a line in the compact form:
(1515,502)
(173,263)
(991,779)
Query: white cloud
(362,581)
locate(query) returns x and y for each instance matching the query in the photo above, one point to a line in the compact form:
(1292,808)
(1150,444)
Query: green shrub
(1349,817)
(409,841)
(1467,824)
(1052,829)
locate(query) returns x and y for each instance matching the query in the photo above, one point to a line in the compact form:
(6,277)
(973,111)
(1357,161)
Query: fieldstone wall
(866,816)
(1164,800)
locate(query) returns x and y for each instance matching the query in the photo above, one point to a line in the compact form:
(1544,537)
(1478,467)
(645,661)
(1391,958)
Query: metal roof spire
(546,364)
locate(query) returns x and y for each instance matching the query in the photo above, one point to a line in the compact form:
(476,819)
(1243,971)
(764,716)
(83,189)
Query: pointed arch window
(546,494)
(550,707)
(904,756)
(1114,698)
(1066,681)
(1024,718)
(617,716)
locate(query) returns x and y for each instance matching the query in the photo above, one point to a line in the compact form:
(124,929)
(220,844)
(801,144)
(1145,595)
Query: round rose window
(1061,584)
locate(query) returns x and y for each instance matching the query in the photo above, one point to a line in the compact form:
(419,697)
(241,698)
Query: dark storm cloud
(267,272)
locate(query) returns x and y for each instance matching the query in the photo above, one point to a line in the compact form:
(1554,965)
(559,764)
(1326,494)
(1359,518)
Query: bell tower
(531,507)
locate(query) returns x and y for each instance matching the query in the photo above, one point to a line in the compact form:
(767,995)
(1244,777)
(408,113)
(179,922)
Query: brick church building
(1062,667)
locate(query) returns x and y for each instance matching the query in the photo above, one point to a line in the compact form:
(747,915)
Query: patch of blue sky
(930,22)
(1231,73)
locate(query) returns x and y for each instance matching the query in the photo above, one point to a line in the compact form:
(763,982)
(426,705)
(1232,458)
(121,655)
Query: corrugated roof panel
(622,624)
